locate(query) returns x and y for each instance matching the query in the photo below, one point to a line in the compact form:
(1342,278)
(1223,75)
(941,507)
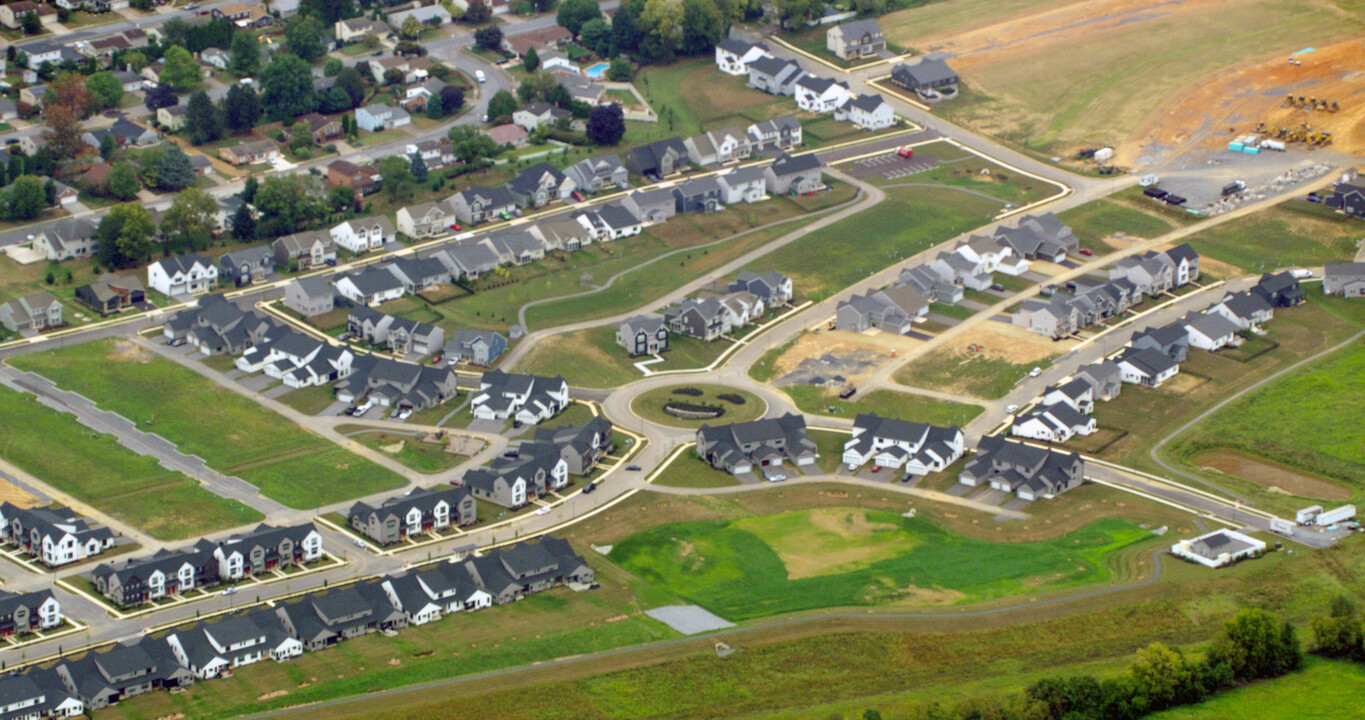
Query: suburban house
(12,15)
(705,319)
(436,153)
(610,222)
(561,233)
(310,249)
(213,650)
(1030,472)
(779,134)
(245,266)
(794,174)
(893,309)
(855,39)
(717,147)
(772,287)
(419,511)
(371,286)
(734,55)
(774,76)
(651,206)
(217,327)
(53,535)
(1076,393)
(65,239)
(310,296)
(477,204)
(540,40)
(33,94)
(743,184)
(1146,367)
(214,57)
(1347,198)
(297,359)
(740,447)
(397,384)
(702,195)
(929,74)
(927,281)
(381,117)
(250,152)
(400,335)
(660,158)
(1280,290)
(820,94)
(468,260)
(364,180)
(540,184)
(581,88)
(428,15)
(23,613)
(476,347)
(264,549)
(1039,237)
(533,115)
(891,443)
(112,293)
(580,446)
(527,399)
(1056,423)
(511,573)
(360,235)
(1054,317)
(1104,378)
(182,275)
(1170,340)
(320,128)
(867,112)
(422,220)
(358,29)
(32,313)
(1218,548)
(321,620)
(125,134)
(643,335)
(1210,331)
(244,15)
(1344,279)
(167,572)
(416,97)
(428,594)
(596,173)
(172,118)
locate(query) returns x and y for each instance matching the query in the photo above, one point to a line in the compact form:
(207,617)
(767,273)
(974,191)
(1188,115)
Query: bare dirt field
(1233,103)
(11,493)
(1085,73)
(1007,342)
(1274,477)
(829,356)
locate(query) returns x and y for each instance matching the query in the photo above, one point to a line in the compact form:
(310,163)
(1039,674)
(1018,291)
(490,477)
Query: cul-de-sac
(682,359)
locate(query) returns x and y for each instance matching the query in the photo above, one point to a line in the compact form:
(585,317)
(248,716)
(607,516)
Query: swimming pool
(596,70)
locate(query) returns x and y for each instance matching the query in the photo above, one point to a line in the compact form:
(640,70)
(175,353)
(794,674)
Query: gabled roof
(791,164)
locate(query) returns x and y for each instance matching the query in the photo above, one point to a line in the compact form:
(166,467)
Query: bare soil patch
(931,596)
(1181,384)
(828,358)
(125,351)
(1272,476)
(1008,342)
(11,493)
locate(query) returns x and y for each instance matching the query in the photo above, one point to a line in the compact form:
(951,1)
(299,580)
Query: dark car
(589,487)
(633,468)
(377,53)
(998,287)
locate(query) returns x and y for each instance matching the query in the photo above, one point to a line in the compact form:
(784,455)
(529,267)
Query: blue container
(1235,146)
(1251,150)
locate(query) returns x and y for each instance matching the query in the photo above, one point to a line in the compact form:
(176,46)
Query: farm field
(836,557)
(1131,59)
(238,437)
(591,358)
(886,403)
(97,470)
(650,405)
(1320,692)
(836,256)
(1288,234)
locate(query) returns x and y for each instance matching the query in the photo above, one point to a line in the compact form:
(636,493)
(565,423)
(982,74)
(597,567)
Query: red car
(577,196)
(1085,251)
(876,468)
(455,227)
(437,360)
(906,152)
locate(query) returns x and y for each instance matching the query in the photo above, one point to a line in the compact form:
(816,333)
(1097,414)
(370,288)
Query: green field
(886,403)
(976,375)
(591,358)
(650,405)
(1292,233)
(421,456)
(234,435)
(57,449)
(1324,690)
(688,470)
(1095,220)
(824,262)
(967,173)
(672,91)
(837,557)
(1313,419)
(309,400)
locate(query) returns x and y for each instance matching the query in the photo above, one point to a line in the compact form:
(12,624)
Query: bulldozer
(1333,107)
(1288,101)
(1261,128)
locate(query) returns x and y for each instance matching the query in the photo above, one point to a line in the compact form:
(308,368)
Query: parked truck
(1282,526)
(1337,515)
(1306,515)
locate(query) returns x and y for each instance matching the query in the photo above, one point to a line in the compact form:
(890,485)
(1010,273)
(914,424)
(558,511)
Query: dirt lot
(11,493)
(1274,477)
(1007,342)
(831,355)
(1232,104)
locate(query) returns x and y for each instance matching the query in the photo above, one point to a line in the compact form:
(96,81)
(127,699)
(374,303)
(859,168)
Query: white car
(359,543)
(1300,273)
(544,511)
(229,591)
(478,74)
(1035,372)
(407,413)
(1011,408)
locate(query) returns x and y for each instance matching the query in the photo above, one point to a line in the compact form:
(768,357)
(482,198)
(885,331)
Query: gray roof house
(1028,471)
(310,296)
(476,347)
(468,260)
(528,399)
(1103,377)
(651,206)
(1145,366)
(245,266)
(660,158)
(927,74)
(772,286)
(702,195)
(889,442)
(419,511)
(580,446)
(855,39)
(32,313)
(774,76)
(643,335)
(1344,279)
(795,174)
(893,309)
(1039,237)
(65,239)
(594,174)
(1210,331)
(778,134)
(539,185)
(740,447)
(1245,309)
(1170,340)
(931,283)
(477,204)
(744,184)
(1054,317)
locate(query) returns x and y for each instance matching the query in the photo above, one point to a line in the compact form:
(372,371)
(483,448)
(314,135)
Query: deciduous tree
(105,91)
(123,182)
(246,55)
(287,88)
(179,70)
(606,125)
(203,120)
(573,14)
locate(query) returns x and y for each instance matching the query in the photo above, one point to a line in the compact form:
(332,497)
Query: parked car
(1035,372)
(407,413)
(176,342)
(633,468)
(906,152)
(455,227)
(876,468)
(544,511)
(998,287)
(577,196)
(437,360)
(589,487)
(344,336)
(377,53)
(478,74)
(359,543)
(1011,408)
(229,591)
(1086,252)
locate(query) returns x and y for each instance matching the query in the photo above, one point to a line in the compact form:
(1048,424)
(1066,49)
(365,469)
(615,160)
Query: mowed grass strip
(1098,219)
(57,449)
(973,374)
(1324,690)
(909,221)
(234,435)
(803,561)
(887,403)
(1313,419)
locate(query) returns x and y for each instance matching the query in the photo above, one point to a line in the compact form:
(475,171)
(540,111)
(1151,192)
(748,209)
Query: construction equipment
(1261,129)
(1333,107)
(1288,101)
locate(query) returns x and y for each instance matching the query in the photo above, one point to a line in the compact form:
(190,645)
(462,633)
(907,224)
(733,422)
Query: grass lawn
(672,91)
(97,470)
(826,261)
(591,358)
(960,312)
(691,471)
(1124,68)
(763,369)
(1319,692)
(1292,233)
(575,414)
(930,18)
(971,374)
(309,400)
(1312,419)
(1098,219)
(640,287)
(967,174)
(650,405)
(421,456)
(837,557)
(367,138)
(831,448)
(886,403)
(233,434)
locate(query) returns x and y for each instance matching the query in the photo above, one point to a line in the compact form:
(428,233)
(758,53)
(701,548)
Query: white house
(820,95)
(1218,548)
(183,275)
(869,112)
(1146,367)
(360,235)
(381,117)
(1210,331)
(733,56)
(893,443)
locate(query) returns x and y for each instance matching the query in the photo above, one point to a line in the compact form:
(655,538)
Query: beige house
(171,118)
(250,152)
(855,39)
